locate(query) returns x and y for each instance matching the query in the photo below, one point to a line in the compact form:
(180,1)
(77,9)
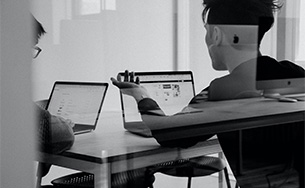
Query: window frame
(288,32)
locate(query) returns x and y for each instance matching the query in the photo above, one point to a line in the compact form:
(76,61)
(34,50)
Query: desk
(231,115)
(110,149)
(115,151)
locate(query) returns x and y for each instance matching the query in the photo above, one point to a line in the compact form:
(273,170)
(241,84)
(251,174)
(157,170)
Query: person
(240,61)
(54,134)
(59,134)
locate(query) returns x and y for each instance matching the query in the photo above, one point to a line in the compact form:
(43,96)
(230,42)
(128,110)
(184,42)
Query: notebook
(172,90)
(81,102)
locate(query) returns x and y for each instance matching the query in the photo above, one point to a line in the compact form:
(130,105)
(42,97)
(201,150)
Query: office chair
(195,167)
(144,178)
(138,178)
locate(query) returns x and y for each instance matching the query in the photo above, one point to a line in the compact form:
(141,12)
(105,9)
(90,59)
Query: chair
(139,178)
(195,167)
(143,178)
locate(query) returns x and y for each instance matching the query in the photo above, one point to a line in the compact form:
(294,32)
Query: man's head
(241,12)
(218,14)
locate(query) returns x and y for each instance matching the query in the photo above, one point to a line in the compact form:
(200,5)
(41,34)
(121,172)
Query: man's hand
(130,86)
(67,121)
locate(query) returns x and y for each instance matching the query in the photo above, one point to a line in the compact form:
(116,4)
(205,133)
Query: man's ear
(217,36)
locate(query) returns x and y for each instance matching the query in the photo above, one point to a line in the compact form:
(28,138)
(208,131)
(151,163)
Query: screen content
(79,103)
(171,92)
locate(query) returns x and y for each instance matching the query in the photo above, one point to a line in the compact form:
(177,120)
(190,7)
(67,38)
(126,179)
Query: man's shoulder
(239,84)
(223,88)
(222,83)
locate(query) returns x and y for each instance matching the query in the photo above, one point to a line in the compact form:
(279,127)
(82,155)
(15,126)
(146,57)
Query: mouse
(284,99)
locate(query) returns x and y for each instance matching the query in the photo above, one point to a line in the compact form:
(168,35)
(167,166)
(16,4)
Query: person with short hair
(283,143)
(55,133)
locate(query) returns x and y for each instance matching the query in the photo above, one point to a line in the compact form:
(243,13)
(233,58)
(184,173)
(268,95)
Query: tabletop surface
(112,140)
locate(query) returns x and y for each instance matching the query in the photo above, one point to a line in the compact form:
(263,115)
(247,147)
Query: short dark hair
(241,12)
(38,29)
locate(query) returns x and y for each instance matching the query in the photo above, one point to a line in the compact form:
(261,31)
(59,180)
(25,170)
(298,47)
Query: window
(87,7)
(300,56)
(290,32)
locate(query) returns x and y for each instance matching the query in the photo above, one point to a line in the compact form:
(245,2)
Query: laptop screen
(78,101)
(171,90)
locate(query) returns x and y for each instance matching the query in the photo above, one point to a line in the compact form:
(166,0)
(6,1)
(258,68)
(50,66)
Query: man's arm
(153,116)
(131,87)
(55,134)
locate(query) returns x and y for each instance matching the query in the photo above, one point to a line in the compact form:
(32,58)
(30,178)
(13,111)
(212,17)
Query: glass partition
(93,40)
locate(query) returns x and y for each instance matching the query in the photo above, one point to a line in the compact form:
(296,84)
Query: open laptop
(172,90)
(81,102)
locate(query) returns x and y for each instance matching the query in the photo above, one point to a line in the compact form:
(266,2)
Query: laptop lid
(81,102)
(172,90)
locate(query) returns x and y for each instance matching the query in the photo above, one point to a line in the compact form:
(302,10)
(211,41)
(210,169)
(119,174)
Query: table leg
(102,173)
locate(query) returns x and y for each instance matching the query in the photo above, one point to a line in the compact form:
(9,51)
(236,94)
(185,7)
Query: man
(240,60)
(55,134)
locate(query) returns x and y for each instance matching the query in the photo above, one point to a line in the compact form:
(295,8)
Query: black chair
(144,178)
(139,178)
(195,167)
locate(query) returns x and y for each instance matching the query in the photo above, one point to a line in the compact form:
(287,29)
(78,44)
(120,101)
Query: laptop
(172,90)
(81,102)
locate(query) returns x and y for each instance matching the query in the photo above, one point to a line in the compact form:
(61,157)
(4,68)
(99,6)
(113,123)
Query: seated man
(54,133)
(240,61)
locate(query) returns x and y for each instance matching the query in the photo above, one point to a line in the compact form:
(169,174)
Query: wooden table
(110,149)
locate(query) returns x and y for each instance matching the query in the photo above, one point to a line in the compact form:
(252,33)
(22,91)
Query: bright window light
(90,7)
(109,4)
(301,40)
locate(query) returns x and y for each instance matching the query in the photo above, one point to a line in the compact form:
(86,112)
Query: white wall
(200,62)
(16,116)
(138,35)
